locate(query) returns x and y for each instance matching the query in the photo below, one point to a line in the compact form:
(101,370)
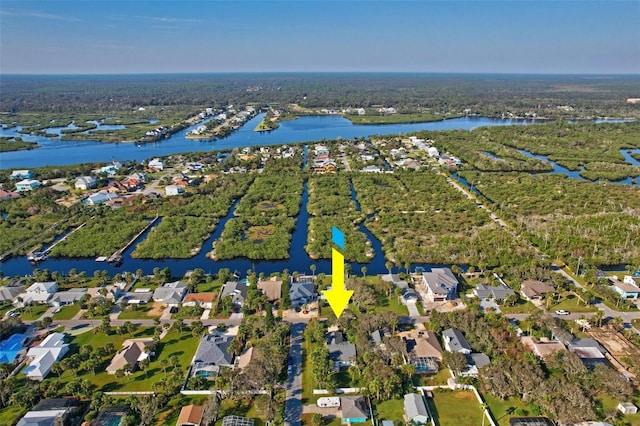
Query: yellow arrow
(338,297)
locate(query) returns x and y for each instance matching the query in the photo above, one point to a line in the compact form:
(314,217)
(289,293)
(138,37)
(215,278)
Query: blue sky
(220,36)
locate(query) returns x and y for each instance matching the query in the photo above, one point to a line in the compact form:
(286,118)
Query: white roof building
(44,355)
(39,292)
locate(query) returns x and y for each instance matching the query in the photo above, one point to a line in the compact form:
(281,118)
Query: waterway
(305,129)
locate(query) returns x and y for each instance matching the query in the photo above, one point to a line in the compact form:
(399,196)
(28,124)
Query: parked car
(562,312)
(13,313)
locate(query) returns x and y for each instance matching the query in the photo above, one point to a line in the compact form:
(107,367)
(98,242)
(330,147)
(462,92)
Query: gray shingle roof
(414,406)
(455,340)
(214,350)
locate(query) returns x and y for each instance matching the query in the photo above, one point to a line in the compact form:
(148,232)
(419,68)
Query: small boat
(36,256)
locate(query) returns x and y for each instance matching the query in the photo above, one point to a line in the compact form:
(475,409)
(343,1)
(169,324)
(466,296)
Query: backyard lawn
(502,410)
(139,312)
(390,410)
(445,408)
(67,312)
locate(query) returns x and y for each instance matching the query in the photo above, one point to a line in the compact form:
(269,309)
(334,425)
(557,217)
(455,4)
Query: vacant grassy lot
(138,312)
(390,410)
(446,408)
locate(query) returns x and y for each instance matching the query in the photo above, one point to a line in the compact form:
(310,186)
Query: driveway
(293,404)
(413,309)
(166,314)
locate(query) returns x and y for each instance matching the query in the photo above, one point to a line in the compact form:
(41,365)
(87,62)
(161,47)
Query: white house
(627,408)
(433,151)
(454,341)
(440,284)
(173,190)
(21,174)
(27,185)
(44,355)
(86,182)
(171,294)
(156,164)
(39,292)
(100,197)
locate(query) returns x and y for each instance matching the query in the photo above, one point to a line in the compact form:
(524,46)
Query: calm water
(56,152)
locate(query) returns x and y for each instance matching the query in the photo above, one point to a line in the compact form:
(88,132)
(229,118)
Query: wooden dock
(116,257)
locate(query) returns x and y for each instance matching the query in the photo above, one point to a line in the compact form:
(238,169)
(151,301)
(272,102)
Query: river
(56,152)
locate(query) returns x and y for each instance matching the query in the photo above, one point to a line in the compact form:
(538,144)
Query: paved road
(293,404)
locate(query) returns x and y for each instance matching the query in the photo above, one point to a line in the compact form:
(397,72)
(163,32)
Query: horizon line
(325,72)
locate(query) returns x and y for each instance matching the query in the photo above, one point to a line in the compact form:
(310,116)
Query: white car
(562,312)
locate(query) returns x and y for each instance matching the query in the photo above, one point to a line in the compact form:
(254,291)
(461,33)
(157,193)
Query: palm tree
(313,269)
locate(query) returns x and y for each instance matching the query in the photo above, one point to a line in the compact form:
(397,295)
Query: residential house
(454,341)
(202,300)
(110,416)
(440,284)
(534,290)
(475,361)
(236,421)
(486,292)
(415,410)
(321,150)
(44,355)
(327,166)
(544,347)
(424,351)
(191,415)
(8,292)
(38,292)
(136,181)
(432,151)
(170,190)
(155,165)
(632,279)
(171,294)
(302,293)
(353,409)
(626,290)
(341,351)
(140,296)
(133,351)
(21,174)
(110,169)
(116,187)
(27,185)
(69,297)
(86,182)
(99,197)
(627,408)
(8,195)
(588,350)
(52,411)
(272,288)
(237,290)
(212,353)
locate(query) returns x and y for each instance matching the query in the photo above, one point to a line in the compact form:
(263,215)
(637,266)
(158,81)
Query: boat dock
(116,257)
(37,256)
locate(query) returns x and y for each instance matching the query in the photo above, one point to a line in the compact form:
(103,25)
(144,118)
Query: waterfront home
(237,290)
(170,190)
(170,294)
(202,300)
(71,296)
(86,182)
(38,292)
(341,351)
(301,293)
(212,354)
(415,410)
(155,165)
(21,174)
(190,415)
(43,356)
(484,291)
(110,169)
(371,169)
(138,297)
(272,288)
(534,290)
(133,351)
(454,341)
(353,409)
(424,351)
(440,284)
(27,185)
(9,292)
